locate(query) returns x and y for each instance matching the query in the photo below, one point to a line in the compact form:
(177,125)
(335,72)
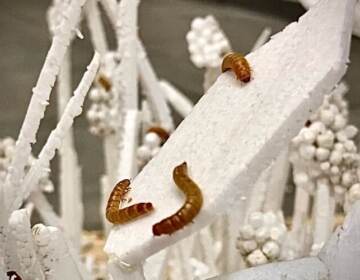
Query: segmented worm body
(13,275)
(189,210)
(161,132)
(239,64)
(104,82)
(120,216)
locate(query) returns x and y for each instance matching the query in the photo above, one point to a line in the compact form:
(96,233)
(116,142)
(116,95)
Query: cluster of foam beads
(103,112)
(153,139)
(260,239)
(207,43)
(7,149)
(325,149)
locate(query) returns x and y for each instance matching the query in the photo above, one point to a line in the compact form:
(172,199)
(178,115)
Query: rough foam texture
(235,130)
(342,254)
(308,268)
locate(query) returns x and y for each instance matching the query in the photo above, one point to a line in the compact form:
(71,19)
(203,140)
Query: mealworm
(13,275)
(104,82)
(162,133)
(190,208)
(239,64)
(120,216)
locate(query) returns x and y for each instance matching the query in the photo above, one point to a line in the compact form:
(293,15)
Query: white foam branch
(300,216)
(181,103)
(45,209)
(277,183)
(126,85)
(262,39)
(70,176)
(235,130)
(323,216)
(153,90)
(341,253)
(110,7)
(98,37)
(126,32)
(29,206)
(39,100)
(146,116)
(20,229)
(258,193)
(72,110)
(127,164)
(307,268)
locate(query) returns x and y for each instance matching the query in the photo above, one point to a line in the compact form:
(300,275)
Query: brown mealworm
(239,64)
(162,133)
(104,82)
(189,210)
(13,275)
(120,216)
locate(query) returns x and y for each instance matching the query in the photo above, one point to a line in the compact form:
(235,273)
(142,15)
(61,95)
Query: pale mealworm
(189,210)
(120,216)
(239,64)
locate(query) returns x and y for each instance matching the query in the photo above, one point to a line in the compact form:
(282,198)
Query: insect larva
(13,275)
(189,210)
(104,82)
(162,133)
(239,64)
(120,216)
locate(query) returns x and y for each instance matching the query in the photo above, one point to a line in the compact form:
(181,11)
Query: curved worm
(120,216)
(189,210)
(13,275)
(162,133)
(239,64)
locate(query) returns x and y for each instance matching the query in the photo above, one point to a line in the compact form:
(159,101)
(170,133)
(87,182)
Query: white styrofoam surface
(342,252)
(307,268)
(235,130)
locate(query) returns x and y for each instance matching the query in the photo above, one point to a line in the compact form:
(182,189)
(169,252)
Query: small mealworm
(239,65)
(120,216)
(189,210)
(162,133)
(13,275)
(104,82)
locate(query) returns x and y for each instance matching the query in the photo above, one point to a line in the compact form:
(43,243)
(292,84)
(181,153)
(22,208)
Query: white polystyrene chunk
(236,129)
(308,268)
(341,254)
(20,231)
